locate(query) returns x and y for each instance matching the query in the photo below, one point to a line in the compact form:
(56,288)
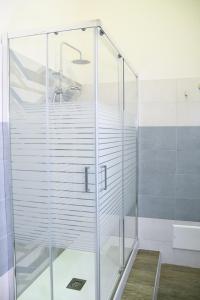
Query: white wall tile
(158,113)
(165,249)
(7,286)
(4,287)
(158,90)
(163,102)
(1,142)
(155,229)
(156,234)
(189,86)
(2,191)
(186,258)
(188,113)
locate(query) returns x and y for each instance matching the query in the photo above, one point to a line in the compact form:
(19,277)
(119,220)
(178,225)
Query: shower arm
(61,54)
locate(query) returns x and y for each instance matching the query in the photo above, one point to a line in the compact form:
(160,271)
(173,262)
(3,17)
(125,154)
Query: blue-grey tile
(187,209)
(187,186)
(188,138)
(188,161)
(3,223)
(1,142)
(9,215)
(2,191)
(6,141)
(10,251)
(7,179)
(156,207)
(3,255)
(157,138)
(6,254)
(157,184)
(163,161)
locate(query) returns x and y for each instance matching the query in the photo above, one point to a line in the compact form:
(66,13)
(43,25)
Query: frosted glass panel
(71,131)
(129,161)
(29,160)
(110,167)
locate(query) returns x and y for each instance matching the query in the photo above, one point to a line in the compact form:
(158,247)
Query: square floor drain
(76,284)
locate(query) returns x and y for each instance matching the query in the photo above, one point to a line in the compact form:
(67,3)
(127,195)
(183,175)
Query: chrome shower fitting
(79,61)
(65,94)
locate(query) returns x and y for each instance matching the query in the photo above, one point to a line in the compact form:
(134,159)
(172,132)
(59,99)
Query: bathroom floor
(140,284)
(179,283)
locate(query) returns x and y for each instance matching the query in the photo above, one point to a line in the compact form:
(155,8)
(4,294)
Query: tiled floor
(176,282)
(179,283)
(140,285)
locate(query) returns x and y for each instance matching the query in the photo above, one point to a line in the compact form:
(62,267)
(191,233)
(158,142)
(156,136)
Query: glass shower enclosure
(73,149)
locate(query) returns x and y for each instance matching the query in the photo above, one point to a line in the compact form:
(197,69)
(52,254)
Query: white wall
(160,37)
(157,234)
(171,102)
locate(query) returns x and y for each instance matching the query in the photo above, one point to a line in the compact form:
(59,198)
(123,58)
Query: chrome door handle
(105,177)
(86,180)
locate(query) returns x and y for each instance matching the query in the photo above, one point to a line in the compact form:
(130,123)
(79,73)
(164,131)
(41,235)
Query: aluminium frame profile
(5,69)
(75,26)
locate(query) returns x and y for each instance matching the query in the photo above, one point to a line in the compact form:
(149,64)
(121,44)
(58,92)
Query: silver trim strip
(96,94)
(76,26)
(157,279)
(7,151)
(47,137)
(120,289)
(118,49)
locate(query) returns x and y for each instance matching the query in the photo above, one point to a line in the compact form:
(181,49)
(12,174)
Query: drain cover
(76,284)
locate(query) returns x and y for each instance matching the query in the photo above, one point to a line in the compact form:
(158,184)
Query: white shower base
(70,264)
(78,264)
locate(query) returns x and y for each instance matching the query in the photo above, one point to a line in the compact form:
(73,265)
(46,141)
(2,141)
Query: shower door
(52,131)
(71,130)
(110,165)
(29,164)
(117,159)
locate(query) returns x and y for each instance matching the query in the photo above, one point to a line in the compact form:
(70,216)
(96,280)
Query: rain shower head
(65,94)
(80,61)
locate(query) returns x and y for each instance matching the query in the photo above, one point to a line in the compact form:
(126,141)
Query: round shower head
(81,61)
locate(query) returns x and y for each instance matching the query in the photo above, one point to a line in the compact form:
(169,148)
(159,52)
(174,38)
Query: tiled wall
(169,165)
(169,159)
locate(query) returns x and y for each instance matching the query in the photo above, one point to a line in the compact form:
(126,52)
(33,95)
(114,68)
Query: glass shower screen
(52,128)
(29,163)
(72,162)
(129,161)
(110,165)
(73,135)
